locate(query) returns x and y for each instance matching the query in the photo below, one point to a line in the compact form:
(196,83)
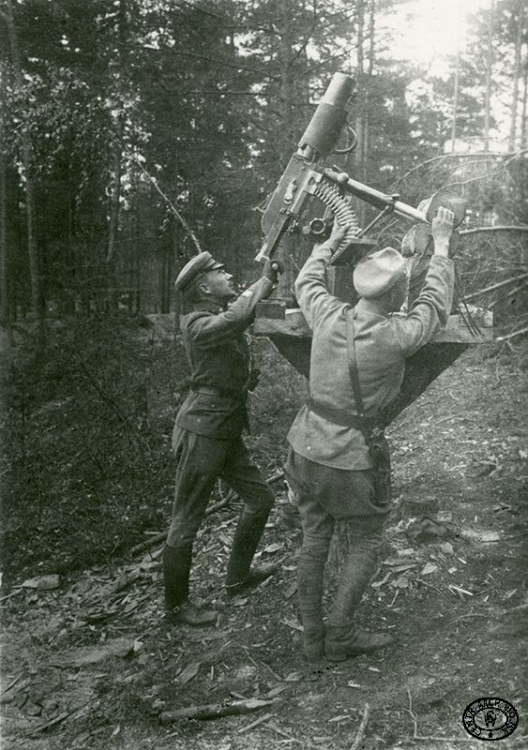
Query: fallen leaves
(402,582)
(378,584)
(189,673)
(53,722)
(292,624)
(291,590)
(481,535)
(271,548)
(94,610)
(426,530)
(277,691)
(42,583)
(255,723)
(293,677)
(14,688)
(410,565)
(428,569)
(214,710)
(458,590)
(84,655)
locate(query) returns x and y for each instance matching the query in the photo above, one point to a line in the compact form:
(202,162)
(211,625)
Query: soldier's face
(220,285)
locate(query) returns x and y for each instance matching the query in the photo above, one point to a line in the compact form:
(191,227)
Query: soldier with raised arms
(207,437)
(337,465)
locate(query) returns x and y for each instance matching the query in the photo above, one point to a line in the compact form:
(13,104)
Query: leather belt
(218,392)
(340,416)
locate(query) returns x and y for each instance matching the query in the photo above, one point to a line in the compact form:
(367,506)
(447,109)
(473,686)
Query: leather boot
(176,571)
(191,614)
(312,561)
(290,516)
(240,577)
(314,644)
(343,642)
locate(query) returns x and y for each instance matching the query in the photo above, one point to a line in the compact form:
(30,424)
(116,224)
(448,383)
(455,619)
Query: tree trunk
(117,157)
(287,85)
(136,263)
(37,300)
(113,224)
(524,139)
(455,95)
(5,307)
(4,273)
(370,72)
(489,68)
(360,104)
(516,76)
(287,140)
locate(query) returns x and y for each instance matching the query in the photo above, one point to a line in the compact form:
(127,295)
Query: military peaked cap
(194,269)
(377,273)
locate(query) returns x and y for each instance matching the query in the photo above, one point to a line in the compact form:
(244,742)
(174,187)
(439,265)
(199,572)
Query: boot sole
(353,654)
(349,655)
(175,620)
(314,656)
(245,587)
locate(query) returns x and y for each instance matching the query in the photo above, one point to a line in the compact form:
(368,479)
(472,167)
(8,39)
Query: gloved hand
(272,269)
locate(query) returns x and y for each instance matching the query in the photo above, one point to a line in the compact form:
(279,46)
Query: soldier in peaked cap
(207,435)
(194,270)
(338,465)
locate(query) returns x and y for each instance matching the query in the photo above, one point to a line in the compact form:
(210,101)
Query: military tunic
(207,435)
(382,344)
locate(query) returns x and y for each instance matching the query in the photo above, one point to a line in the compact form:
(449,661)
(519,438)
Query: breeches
(325,496)
(342,494)
(318,523)
(201,461)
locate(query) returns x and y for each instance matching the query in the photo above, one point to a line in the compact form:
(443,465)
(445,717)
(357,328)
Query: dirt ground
(90,664)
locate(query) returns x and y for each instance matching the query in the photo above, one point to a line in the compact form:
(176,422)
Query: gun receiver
(306,185)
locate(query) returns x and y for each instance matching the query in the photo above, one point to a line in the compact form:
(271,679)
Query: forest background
(134,131)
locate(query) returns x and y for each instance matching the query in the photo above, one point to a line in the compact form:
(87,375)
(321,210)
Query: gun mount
(299,212)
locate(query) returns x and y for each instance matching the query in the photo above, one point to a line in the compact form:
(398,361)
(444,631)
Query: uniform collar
(372,307)
(209,305)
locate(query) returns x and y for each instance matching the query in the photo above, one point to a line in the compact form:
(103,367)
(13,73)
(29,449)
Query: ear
(203,289)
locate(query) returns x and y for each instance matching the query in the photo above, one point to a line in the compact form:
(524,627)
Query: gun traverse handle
(375,197)
(444,197)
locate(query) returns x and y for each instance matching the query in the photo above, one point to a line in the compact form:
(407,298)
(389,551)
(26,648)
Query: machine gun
(307,185)
(306,198)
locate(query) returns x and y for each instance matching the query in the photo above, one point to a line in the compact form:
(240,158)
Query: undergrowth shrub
(86,462)
(87,466)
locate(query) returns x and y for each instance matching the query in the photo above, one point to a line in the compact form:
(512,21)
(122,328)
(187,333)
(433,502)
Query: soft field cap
(377,273)
(196,267)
